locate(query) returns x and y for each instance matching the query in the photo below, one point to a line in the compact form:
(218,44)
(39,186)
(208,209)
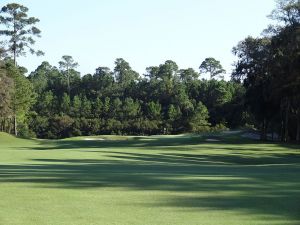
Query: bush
(25,132)
(219,127)
(61,126)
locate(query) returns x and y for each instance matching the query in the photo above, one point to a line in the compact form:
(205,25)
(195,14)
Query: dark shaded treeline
(269,67)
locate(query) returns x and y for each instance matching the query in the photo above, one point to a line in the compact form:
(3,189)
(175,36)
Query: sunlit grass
(148,180)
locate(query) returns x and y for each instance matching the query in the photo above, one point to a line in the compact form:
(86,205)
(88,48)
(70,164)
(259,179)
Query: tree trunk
(68,81)
(263,133)
(15,45)
(69,89)
(298,129)
(2,125)
(9,124)
(272,132)
(15,59)
(281,131)
(15,125)
(286,124)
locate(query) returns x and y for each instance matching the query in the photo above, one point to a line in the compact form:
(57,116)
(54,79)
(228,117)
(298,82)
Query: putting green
(169,180)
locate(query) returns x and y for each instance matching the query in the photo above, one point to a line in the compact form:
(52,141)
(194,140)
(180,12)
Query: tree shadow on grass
(147,141)
(162,142)
(196,181)
(267,183)
(234,158)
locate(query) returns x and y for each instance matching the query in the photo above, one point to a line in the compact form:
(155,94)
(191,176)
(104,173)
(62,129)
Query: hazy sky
(145,33)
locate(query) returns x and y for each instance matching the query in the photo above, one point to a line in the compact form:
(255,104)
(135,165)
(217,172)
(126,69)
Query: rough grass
(174,180)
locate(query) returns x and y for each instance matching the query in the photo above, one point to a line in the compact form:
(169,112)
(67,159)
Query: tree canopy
(19,28)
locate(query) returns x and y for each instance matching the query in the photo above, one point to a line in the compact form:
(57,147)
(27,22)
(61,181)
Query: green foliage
(61,126)
(65,104)
(269,69)
(123,73)
(25,132)
(23,96)
(6,99)
(19,29)
(67,66)
(188,75)
(41,126)
(76,106)
(86,107)
(120,103)
(174,113)
(130,108)
(153,110)
(287,11)
(199,120)
(213,67)
(219,128)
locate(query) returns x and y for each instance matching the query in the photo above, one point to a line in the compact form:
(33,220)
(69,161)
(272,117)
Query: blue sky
(145,33)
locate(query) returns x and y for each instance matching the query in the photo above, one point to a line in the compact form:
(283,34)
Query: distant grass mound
(211,179)
(5,137)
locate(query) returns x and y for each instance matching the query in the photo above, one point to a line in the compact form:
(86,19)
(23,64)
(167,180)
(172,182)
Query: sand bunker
(212,140)
(94,139)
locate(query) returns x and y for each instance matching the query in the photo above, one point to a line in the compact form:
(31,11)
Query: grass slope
(172,180)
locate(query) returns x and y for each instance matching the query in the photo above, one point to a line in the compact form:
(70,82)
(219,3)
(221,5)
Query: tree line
(57,102)
(269,68)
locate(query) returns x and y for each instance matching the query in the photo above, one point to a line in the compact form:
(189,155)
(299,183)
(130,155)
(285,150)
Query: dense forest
(56,101)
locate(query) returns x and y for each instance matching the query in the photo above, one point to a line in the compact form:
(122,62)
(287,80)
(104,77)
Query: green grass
(173,180)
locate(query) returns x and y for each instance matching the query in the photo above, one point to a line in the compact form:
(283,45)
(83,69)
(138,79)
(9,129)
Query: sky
(144,33)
